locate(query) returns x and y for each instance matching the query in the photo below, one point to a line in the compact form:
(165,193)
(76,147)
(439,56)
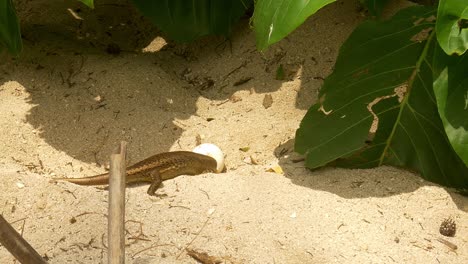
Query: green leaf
(280,73)
(451,91)
(452,31)
(375,7)
(89,3)
(275,19)
(10,35)
(186,20)
(378,106)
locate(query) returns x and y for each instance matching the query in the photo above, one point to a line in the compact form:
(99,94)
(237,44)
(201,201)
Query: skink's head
(213,151)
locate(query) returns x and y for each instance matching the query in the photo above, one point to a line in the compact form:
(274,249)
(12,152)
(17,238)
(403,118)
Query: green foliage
(383,78)
(452,26)
(280,73)
(89,3)
(450,87)
(10,35)
(186,20)
(275,19)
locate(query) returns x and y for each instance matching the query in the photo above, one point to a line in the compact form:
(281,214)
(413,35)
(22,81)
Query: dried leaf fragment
(276,169)
(199,139)
(203,257)
(244,149)
(250,160)
(267,101)
(253,160)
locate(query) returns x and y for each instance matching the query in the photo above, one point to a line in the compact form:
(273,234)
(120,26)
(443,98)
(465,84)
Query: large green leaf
(451,90)
(275,19)
(378,106)
(451,26)
(10,35)
(89,3)
(186,20)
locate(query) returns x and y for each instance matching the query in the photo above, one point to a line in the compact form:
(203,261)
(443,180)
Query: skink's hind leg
(156,182)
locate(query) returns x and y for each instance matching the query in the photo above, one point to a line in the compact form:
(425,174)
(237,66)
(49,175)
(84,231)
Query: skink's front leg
(156,182)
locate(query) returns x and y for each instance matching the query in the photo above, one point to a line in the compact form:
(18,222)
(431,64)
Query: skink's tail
(100,179)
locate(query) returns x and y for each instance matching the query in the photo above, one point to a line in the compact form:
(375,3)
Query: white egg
(213,151)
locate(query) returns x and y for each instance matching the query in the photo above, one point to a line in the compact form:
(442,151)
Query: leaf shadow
(84,100)
(379,182)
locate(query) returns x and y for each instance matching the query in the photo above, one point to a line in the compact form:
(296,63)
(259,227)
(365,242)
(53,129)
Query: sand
(66,103)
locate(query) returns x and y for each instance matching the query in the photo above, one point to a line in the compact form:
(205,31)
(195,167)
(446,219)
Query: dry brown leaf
(203,257)
(267,101)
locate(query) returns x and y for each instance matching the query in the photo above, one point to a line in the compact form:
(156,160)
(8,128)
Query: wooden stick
(116,224)
(17,246)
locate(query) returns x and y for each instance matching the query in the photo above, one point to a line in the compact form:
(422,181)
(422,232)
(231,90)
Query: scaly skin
(156,169)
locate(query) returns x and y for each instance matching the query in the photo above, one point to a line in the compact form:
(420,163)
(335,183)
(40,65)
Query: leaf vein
(380,58)
(414,147)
